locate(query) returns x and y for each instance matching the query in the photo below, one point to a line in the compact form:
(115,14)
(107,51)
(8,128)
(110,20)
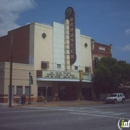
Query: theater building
(55,55)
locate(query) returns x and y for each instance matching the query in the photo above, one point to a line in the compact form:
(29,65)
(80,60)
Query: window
(59,66)
(27,90)
(50,91)
(44,65)
(76,67)
(42,91)
(19,90)
(85,45)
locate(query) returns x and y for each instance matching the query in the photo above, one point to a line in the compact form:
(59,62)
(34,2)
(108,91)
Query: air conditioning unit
(44,65)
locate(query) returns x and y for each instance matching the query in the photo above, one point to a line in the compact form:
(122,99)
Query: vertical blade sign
(70,15)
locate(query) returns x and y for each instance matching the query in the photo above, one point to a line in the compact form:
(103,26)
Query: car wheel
(115,101)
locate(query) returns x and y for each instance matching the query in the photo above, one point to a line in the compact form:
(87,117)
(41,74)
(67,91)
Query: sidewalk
(55,103)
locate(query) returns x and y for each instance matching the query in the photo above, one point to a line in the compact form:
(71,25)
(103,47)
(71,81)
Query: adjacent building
(100,50)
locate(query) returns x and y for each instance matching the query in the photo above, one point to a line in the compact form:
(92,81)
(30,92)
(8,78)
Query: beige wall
(1,78)
(43,47)
(86,55)
(20,77)
(58,46)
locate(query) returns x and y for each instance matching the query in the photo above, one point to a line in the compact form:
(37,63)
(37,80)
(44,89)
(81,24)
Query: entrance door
(87,93)
(12,98)
(71,93)
(62,93)
(46,92)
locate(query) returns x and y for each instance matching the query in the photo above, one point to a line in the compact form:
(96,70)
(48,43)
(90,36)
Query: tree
(109,74)
(124,73)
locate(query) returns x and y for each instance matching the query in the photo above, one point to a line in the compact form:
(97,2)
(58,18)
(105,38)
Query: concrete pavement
(90,117)
(56,103)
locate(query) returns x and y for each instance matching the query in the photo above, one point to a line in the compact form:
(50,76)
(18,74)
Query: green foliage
(110,73)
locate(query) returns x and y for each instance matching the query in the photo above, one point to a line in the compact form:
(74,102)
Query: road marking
(109,112)
(119,113)
(86,114)
(83,111)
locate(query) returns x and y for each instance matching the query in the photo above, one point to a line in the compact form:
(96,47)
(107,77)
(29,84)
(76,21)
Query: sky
(105,21)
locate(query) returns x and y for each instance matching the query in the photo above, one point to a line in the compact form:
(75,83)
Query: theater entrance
(69,91)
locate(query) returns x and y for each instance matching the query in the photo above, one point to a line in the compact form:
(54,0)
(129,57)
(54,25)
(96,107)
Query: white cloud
(127,32)
(10,12)
(126,48)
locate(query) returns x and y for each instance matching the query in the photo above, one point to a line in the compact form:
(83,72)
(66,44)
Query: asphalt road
(92,117)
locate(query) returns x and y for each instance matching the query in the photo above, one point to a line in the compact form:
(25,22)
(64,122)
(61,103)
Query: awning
(121,86)
(61,80)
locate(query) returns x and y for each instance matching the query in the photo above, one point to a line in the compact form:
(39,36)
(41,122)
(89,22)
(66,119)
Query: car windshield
(113,95)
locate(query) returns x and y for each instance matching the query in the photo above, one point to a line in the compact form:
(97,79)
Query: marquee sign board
(63,75)
(60,75)
(70,15)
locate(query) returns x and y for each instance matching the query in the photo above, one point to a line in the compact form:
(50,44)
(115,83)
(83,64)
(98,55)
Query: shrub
(40,99)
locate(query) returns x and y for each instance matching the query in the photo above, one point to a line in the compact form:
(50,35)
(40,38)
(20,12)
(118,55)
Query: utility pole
(11,58)
(29,102)
(30,82)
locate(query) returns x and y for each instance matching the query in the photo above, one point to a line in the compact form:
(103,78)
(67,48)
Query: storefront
(63,85)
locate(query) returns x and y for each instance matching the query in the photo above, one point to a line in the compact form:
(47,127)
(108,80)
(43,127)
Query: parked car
(116,97)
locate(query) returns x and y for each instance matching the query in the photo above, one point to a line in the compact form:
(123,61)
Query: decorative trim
(44,35)
(85,45)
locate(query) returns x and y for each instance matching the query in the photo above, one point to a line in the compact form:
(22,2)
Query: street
(87,117)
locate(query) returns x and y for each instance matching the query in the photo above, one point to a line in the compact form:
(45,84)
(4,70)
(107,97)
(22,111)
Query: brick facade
(100,50)
(20,45)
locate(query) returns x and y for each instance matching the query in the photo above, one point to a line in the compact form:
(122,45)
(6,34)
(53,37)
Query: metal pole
(11,58)
(80,89)
(46,93)
(29,102)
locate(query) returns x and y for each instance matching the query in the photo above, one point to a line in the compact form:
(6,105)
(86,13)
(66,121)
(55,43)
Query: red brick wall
(4,49)
(20,45)
(100,53)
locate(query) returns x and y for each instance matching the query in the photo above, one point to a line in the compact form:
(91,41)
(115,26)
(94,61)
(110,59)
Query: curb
(58,104)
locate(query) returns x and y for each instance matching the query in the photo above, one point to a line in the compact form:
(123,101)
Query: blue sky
(106,21)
